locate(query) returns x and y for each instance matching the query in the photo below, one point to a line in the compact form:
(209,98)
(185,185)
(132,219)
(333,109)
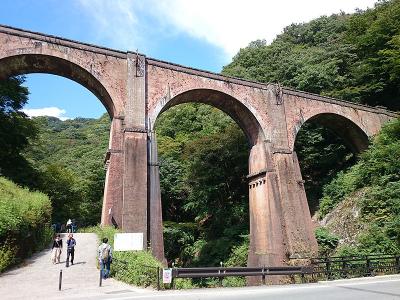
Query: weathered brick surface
(135,90)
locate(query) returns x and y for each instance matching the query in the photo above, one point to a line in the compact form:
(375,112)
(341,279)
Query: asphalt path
(383,287)
(37,277)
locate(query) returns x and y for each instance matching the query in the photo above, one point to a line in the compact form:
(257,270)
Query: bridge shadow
(80,263)
(28,261)
(75,263)
(369,291)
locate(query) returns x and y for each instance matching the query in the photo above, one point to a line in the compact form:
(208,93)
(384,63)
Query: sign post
(128,241)
(167,275)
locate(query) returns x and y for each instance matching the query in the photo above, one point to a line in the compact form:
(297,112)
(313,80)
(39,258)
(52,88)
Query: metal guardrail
(237,271)
(312,269)
(354,266)
(221,272)
(319,268)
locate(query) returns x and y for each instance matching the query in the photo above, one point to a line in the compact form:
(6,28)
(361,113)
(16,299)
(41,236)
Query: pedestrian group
(58,246)
(104,253)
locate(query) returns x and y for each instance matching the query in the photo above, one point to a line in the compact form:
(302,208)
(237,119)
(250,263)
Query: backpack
(105,253)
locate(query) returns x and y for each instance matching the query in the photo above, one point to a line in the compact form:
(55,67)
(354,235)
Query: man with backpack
(105,257)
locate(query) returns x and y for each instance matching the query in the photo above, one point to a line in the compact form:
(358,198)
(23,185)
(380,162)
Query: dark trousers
(70,252)
(105,268)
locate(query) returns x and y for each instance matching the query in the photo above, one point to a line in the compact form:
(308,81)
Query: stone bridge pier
(136,89)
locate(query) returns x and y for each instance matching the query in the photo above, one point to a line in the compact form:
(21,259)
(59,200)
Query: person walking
(105,258)
(69,226)
(56,249)
(71,243)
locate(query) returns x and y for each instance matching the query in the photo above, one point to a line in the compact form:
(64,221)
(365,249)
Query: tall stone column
(135,206)
(155,213)
(299,229)
(267,244)
(113,188)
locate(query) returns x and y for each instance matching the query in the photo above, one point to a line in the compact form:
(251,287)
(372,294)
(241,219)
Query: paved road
(385,287)
(38,278)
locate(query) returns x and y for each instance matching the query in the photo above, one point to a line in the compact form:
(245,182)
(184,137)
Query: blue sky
(202,34)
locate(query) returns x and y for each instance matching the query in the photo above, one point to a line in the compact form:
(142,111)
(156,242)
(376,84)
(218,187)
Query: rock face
(345,221)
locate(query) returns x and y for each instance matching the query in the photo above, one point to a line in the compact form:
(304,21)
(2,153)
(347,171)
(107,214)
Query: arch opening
(65,160)
(353,136)
(241,114)
(39,63)
(325,145)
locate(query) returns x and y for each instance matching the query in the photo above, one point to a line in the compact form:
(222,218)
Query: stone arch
(244,116)
(354,137)
(39,63)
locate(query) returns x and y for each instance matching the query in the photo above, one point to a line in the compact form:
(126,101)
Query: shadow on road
(369,291)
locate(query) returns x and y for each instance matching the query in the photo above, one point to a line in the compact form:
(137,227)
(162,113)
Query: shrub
(239,254)
(334,192)
(24,223)
(327,241)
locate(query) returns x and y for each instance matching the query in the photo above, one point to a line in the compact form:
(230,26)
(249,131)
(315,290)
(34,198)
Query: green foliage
(180,242)
(335,191)
(327,241)
(375,35)
(16,130)
(238,256)
(376,240)
(68,160)
(140,270)
(24,222)
(184,283)
(353,57)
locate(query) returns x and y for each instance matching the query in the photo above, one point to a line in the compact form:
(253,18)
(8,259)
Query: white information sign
(167,275)
(128,241)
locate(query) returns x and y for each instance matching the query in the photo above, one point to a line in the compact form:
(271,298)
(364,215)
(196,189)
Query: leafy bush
(136,267)
(239,254)
(327,241)
(24,223)
(180,242)
(335,191)
(377,241)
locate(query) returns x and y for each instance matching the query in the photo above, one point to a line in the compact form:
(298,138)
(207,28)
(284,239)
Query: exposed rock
(345,220)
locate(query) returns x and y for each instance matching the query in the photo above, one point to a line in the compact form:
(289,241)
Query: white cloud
(46,111)
(231,24)
(227,24)
(116,22)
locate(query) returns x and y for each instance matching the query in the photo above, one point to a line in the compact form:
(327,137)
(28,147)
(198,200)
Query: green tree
(16,130)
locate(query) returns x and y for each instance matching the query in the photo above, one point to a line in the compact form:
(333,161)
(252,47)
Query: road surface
(382,288)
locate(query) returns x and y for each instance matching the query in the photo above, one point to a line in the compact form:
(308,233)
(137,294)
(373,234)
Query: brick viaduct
(136,89)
